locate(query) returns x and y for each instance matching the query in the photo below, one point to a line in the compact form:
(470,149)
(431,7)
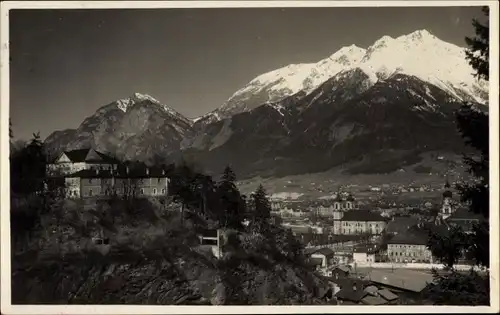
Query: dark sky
(67,63)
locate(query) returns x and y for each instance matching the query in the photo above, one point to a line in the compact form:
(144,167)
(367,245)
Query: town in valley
(357,178)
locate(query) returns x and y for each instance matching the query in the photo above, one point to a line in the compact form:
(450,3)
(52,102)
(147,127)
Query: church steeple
(447,205)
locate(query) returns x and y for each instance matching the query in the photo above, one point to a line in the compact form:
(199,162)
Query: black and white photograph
(249,153)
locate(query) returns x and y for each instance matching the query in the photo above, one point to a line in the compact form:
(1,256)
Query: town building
(144,181)
(365,254)
(69,162)
(409,247)
(362,222)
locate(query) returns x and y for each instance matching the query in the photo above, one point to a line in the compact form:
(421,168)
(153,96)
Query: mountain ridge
(369,113)
(454,74)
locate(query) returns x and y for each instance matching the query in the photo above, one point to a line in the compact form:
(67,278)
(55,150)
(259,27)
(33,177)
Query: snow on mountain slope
(427,57)
(126,103)
(420,54)
(308,76)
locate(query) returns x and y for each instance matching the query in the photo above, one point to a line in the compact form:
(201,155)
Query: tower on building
(447,203)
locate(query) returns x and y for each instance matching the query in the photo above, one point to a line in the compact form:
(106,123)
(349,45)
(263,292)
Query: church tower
(447,203)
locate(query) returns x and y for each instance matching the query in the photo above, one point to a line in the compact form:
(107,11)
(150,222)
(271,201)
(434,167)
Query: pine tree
(474,126)
(182,187)
(232,205)
(261,212)
(478,53)
(28,168)
(472,289)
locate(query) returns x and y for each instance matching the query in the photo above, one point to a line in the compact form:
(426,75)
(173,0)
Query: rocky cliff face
(136,128)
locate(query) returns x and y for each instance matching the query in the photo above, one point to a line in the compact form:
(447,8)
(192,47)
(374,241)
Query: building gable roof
(325,251)
(402,279)
(363,216)
(410,237)
(401,224)
(120,173)
(388,295)
(88,155)
(349,294)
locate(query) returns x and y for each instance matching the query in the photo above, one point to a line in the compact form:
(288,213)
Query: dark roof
(120,173)
(325,251)
(388,295)
(362,215)
(79,155)
(346,282)
(401,224)
(345,238)
(410,237)
(349,294)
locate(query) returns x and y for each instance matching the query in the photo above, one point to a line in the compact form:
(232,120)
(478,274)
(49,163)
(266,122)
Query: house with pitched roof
(69,162)
(325,254)
(410,246)
(401,224)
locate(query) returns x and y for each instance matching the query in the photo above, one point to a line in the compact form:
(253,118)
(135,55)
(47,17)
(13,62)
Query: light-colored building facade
(70,162)
(95,183)
(409,247)
(362,222)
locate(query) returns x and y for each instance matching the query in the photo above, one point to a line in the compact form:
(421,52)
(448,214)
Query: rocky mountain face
(138,127)
(367,110)
(349,120)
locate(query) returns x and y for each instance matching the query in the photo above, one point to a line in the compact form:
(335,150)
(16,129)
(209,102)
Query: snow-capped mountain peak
(139,97)
(419,54)
(126,103)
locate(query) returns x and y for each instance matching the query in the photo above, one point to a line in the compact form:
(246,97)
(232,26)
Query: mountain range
(368,110)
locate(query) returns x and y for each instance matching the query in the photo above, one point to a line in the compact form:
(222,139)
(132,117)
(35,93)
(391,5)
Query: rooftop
(404,279)
(401,224)
(363,215)
(121,172)
(325,251)
(410,237)
(82,155)
(348,294)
